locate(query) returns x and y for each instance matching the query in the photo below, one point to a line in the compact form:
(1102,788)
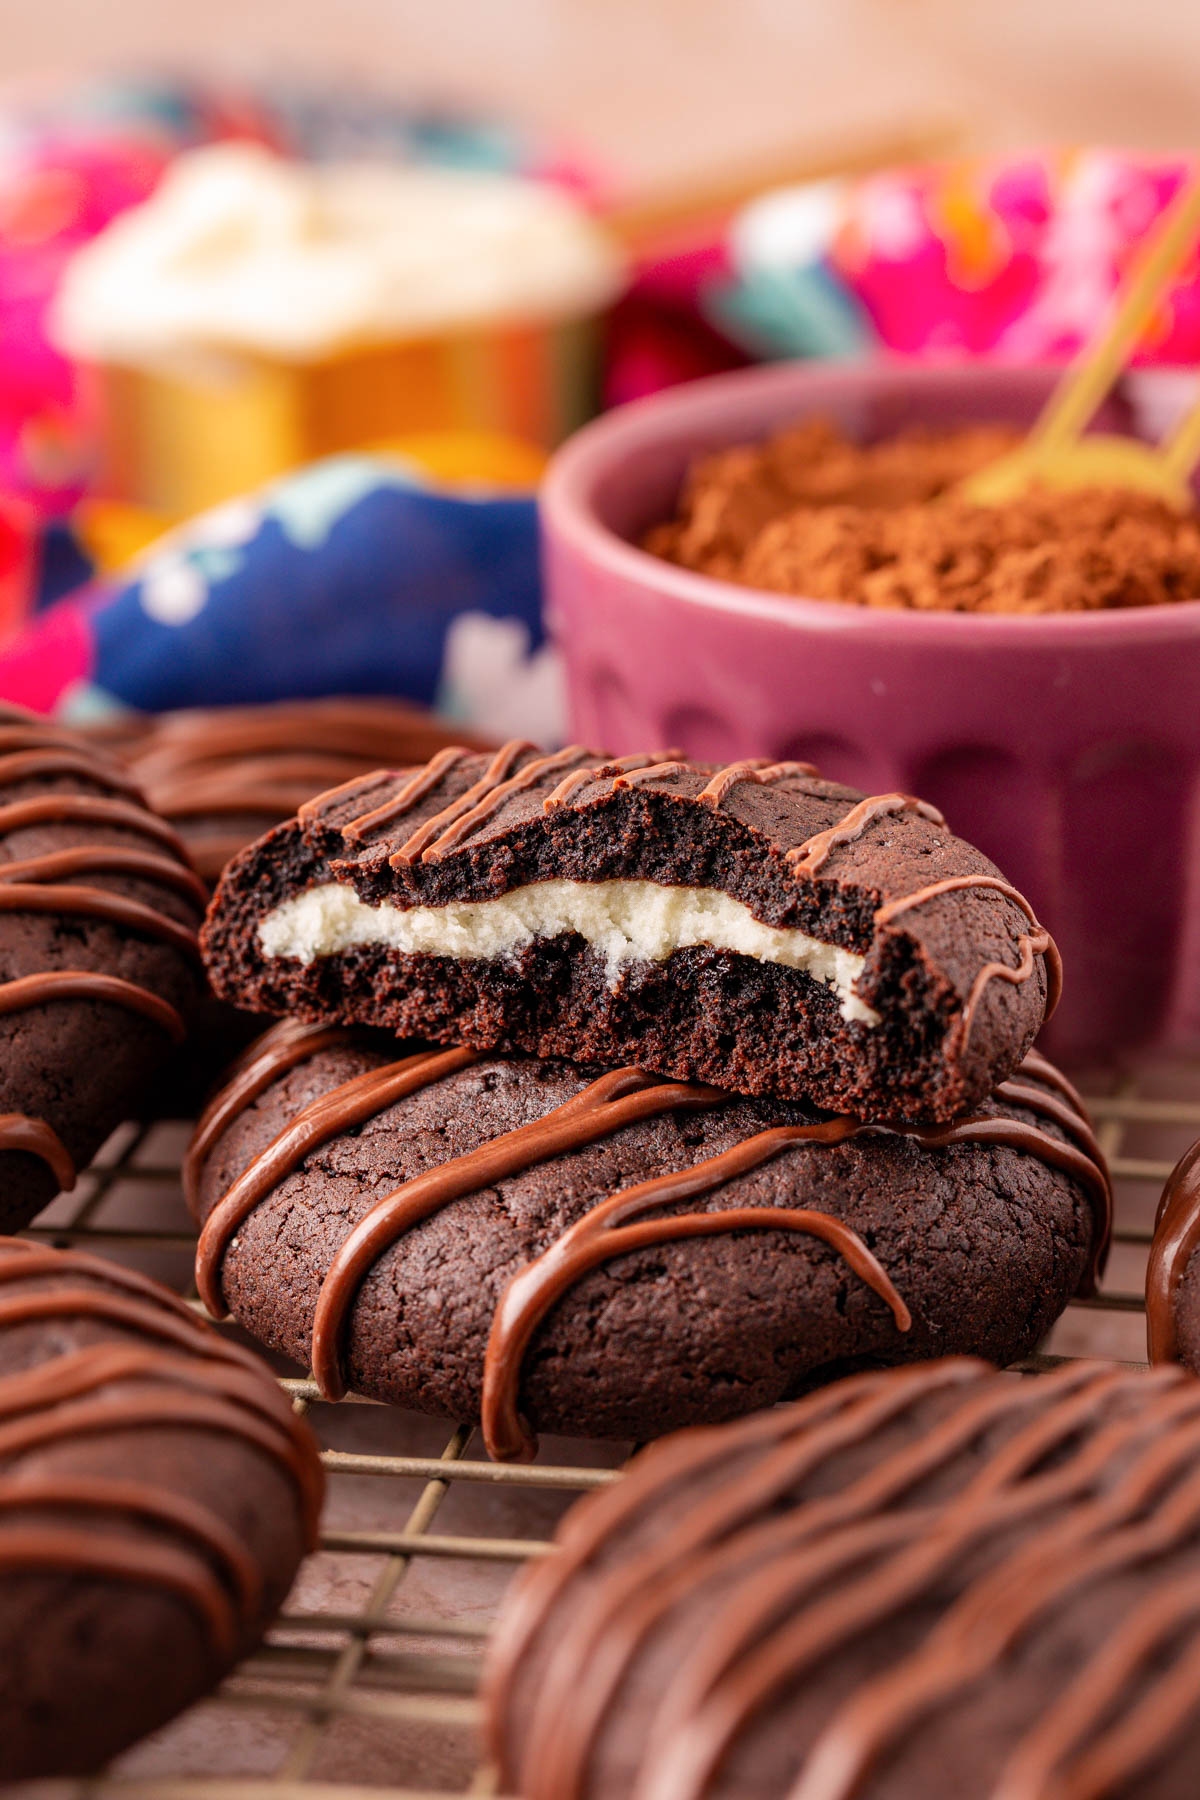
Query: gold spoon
(1056,454)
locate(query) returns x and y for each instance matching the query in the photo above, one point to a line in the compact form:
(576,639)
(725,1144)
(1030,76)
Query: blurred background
(274,423)
(662,87)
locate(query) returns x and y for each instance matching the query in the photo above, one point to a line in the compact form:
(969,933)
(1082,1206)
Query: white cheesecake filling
(625,921)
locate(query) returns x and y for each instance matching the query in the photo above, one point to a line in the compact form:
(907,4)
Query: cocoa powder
(810,513)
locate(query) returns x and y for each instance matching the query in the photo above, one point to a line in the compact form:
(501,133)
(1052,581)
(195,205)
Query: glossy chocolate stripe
(422,782)
(37,1259)
(507,775)
(195,1383)
(579,778)
(85,984)
(757,769)
(606,1231)
(58,1302)
(1136,1742)
(757,1607)
(761,1667)
(139,1562)
(326,1117)
(282,1048)
(596,1111)
(793,1550)
(42,883)
(1101,1537)
(833,1416)
(655,771)
(217,796)
(370,734)
(1036,1064)
(1037,941)
(1176,1237)
(37,1138)
(107,859)
(310,769)
(619,1098)
(633,1598)
(37,1406)
(1082,1492)
(504,1432)
(1077,1163)
(490,803)
(36,762)
(137,1410)
(20,1260)
(99,903)
(810,857)
(63,807)
(38,733)
(497,771)
(176,1512)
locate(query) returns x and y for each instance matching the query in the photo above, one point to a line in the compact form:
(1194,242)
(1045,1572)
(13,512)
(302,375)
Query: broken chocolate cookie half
(753,926)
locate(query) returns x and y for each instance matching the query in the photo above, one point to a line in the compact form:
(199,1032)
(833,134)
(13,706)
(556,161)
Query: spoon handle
(1180,451)
(1089,377)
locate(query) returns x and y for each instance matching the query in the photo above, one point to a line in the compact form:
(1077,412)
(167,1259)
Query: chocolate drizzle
(44,884)
(354,730)
(457,825)
(759,769)
(174,1374)
(36,1138)
(579,778)
(253,766)
(810,857)
(1176,1239)
(59,808)
(405,797)
(494,776)
(517,767)
(499,782)
(617,1224)
(995,1512)
(107,859)
(89,984)
(502,779)
(261,1064)
(342,1110)
(1035,942)
(271,785)
(650,771)
(28,756)
(96,903)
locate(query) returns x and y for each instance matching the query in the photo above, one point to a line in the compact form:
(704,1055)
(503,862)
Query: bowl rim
(567,511)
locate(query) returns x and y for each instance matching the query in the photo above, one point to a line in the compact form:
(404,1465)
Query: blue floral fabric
(351,576)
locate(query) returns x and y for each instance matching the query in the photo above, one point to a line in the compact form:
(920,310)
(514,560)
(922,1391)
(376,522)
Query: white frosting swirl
(239,251)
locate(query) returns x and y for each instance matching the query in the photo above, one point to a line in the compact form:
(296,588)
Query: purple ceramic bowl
(1066,746)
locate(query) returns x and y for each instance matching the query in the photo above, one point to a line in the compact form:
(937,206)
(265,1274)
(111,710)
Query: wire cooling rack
(367,1684)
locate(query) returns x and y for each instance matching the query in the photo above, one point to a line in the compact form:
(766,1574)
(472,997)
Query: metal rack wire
(366,1686)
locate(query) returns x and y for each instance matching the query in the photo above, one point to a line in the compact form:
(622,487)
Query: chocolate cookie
(98,956)
(931,1582)
(224,775)
(547,1247)
(156,1496)
(1173,1271)
(753,926)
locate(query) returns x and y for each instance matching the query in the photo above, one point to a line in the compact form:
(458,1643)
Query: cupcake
(255,313)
